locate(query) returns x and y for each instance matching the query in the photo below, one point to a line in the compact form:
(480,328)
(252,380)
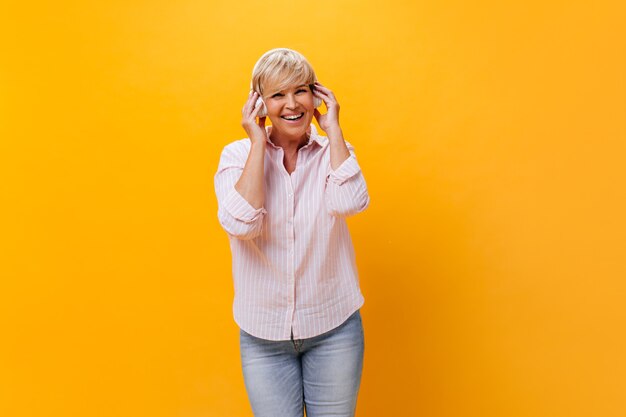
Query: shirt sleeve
(238,218)
(346,190)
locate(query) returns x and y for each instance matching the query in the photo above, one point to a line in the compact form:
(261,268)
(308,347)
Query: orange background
(492,136)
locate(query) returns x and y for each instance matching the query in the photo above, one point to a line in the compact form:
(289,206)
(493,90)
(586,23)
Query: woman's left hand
(330,120)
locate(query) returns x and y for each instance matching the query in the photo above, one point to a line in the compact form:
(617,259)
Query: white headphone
(263,111)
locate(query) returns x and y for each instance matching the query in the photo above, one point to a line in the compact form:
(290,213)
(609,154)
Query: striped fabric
(293,261)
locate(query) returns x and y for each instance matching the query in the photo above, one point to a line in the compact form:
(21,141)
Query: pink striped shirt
(293,261)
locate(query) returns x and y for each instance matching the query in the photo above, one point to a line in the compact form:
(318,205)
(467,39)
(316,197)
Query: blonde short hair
(281,68)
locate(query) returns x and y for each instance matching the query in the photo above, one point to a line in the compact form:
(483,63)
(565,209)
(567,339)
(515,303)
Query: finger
(328,100)
(329,94)
(320,86)
(324,90)
(248,106)
(317,115)
(252,99)
(257,107)
(322,95)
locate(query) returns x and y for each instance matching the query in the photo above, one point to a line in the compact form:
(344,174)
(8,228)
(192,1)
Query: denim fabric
(322,373)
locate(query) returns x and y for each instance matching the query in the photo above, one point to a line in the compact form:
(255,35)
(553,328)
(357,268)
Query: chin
(295,131)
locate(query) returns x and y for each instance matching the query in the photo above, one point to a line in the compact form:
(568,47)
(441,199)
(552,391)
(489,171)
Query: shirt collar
(314,137)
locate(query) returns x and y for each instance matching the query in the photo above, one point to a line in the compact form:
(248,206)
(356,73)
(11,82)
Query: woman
(283,196)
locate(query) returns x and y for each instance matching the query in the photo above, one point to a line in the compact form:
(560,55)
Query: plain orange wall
(492,136)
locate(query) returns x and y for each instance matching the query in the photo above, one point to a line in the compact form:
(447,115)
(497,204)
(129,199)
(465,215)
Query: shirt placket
(292,185)
(291,238)
(291,243)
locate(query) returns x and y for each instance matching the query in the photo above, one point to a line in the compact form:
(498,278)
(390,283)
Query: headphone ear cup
(263,110)
(317,102)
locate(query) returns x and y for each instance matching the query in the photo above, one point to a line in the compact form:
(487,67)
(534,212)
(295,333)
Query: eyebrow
(295,88)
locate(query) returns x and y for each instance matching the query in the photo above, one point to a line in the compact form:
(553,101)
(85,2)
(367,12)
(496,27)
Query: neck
(289,143)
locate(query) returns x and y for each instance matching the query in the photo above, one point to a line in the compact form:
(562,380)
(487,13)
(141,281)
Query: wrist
(258,143)
(334,132)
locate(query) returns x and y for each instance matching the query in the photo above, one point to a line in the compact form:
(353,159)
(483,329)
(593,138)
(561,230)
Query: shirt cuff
(240,209)
(348,168)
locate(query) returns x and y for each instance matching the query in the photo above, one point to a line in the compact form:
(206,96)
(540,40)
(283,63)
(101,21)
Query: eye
(302,90)
(277,95)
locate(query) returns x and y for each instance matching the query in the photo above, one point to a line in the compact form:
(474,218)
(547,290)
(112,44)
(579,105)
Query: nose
(291,101)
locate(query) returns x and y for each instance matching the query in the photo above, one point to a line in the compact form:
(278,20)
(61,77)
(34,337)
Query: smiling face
(282,77)
(290,109)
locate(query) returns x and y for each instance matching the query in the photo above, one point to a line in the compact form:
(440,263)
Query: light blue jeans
(322,373)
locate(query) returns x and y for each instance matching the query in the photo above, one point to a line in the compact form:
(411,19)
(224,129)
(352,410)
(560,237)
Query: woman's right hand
(256,131)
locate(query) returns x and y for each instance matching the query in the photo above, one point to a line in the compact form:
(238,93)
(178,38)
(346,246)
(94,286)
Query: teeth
(292,117)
